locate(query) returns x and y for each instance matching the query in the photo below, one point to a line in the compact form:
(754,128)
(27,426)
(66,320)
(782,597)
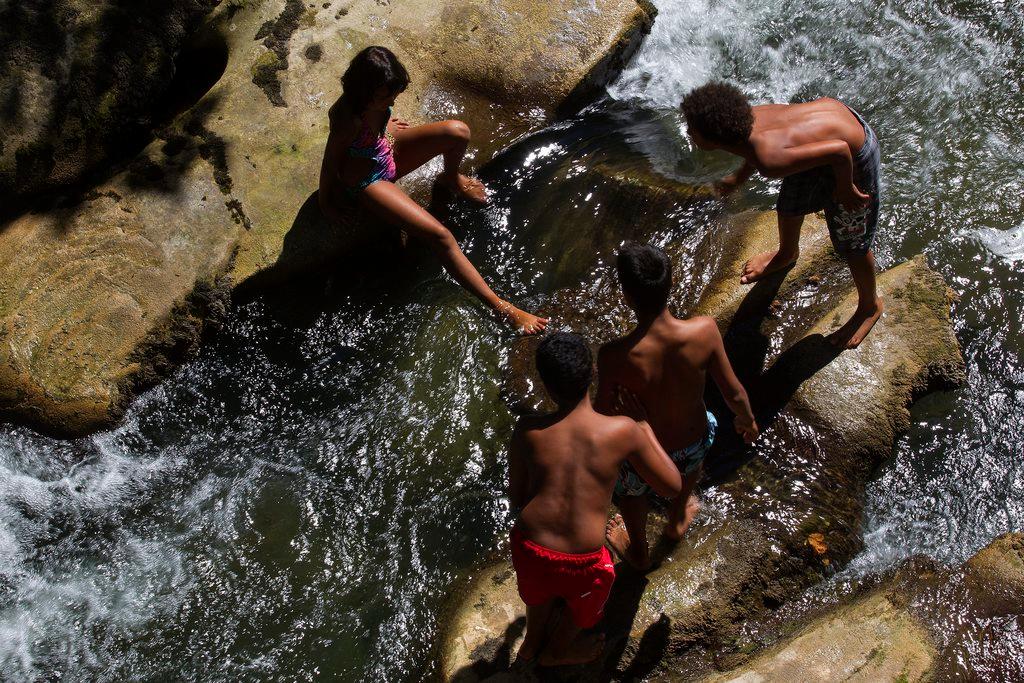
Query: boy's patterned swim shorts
(687,460)
(810,191)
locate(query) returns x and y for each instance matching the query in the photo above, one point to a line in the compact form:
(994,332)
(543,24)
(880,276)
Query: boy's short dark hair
(720,112)
(565,365)
(645,273)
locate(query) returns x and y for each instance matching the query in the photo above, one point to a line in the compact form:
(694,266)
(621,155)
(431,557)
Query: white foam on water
(1006,244)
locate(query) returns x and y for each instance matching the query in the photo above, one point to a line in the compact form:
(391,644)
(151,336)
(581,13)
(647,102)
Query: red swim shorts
(582,580)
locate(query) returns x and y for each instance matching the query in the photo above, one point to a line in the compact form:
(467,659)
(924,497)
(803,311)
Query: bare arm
(518,474)
(785,161)
(731,182)
(729,384)
(649,459)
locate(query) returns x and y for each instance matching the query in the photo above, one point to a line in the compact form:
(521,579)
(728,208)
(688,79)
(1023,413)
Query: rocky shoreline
(104,294)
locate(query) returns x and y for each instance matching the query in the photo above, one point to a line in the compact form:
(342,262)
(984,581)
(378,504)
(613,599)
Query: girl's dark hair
(373,68)
(645,272)
(566,365)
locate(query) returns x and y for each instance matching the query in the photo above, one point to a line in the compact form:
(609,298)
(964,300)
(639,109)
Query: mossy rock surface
(98,296)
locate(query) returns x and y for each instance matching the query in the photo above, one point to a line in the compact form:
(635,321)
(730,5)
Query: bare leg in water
(537,617)
(626,533)
(415,146)
(769,262)
(392,204)
(569,645)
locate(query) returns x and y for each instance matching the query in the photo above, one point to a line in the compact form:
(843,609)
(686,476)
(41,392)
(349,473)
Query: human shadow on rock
(499,662)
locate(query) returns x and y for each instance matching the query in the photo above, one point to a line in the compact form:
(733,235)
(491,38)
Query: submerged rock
(780,516)
(89,289)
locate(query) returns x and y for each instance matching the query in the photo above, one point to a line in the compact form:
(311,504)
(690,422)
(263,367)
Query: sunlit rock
(98,297)
(920,622)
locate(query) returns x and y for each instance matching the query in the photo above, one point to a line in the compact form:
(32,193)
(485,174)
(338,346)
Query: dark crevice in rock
(193,321)
(314,52)
(276,35)
(238,213)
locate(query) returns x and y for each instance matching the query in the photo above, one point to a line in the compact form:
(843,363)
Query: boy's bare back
(666,367)
(781,128)
(572,462)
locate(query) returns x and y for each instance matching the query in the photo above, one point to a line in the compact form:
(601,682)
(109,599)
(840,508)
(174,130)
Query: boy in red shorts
(562,470)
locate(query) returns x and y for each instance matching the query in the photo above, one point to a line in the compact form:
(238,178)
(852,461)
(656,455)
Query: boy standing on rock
(659,370)
(562,469)
(828,158)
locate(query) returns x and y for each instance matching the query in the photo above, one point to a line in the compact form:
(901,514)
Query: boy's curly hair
(720,112)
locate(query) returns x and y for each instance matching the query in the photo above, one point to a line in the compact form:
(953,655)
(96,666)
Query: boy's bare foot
(850,335)
(675,531)
(585,648)
(524,322)
(465,187)
(765,264)
(616,535)
(618,540)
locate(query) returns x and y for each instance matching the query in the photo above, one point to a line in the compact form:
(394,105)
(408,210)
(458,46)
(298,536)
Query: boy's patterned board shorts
(810,191)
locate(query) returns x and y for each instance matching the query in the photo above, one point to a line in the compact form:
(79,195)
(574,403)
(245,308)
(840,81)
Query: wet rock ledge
(778,518)
(102,293)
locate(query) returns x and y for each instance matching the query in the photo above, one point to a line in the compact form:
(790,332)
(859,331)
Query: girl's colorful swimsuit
(377,146)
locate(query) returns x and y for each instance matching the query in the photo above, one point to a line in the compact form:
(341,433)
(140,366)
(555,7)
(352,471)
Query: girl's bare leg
(389,202)
(417,145)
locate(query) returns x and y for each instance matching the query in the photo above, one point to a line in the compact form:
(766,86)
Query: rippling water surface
(297,500)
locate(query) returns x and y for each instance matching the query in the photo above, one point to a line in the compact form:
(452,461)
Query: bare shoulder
(619,428)
(697,329)
(611,354)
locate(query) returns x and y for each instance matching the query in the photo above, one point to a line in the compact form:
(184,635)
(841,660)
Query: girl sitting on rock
(367,150)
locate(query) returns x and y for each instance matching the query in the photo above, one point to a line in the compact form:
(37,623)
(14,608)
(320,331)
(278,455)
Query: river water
(298,499)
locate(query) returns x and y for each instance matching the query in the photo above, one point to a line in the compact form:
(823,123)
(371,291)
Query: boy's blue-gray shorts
(810,191)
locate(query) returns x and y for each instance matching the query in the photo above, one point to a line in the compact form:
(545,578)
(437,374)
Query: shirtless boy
(562,469)
(663,363)
(828,158)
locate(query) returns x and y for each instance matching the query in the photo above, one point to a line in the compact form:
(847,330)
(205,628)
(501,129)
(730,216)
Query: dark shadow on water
(769,390)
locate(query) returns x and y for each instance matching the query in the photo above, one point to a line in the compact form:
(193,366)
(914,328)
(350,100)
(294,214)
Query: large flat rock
(97,298)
